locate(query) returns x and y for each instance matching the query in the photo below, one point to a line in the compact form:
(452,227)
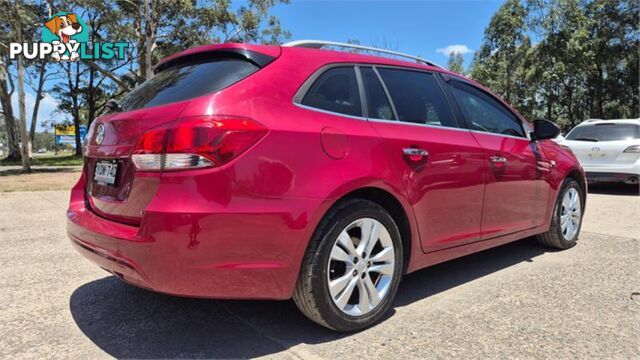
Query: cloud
(454,49)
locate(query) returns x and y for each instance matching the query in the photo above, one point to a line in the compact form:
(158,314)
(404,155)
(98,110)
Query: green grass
(49,160)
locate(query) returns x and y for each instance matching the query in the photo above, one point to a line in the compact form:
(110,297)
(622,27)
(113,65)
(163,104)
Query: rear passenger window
(417,97)
(336,90)
(484,113)
(377,100)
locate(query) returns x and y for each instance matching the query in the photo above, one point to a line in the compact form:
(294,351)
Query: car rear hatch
(115,189)
(605,144)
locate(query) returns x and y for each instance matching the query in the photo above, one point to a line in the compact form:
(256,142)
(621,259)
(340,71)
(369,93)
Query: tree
(584,63)
(6,91)
(30,15)
(456,63)
(612,70)
(26,166)
(159,28)
(503,52)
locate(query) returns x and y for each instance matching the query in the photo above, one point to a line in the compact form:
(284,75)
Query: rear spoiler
(208,53)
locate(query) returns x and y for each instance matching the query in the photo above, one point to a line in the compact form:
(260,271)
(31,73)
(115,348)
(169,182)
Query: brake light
(196,143)
(632,149)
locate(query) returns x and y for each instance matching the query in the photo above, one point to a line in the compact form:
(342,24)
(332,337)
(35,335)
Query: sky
(426,28)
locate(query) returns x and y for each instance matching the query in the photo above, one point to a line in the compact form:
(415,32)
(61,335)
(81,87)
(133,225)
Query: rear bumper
(250,251)
(613,173)
(595,176)
(628,173)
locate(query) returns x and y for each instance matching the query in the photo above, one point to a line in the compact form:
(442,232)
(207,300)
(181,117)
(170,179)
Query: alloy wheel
(361,267)
(570,214)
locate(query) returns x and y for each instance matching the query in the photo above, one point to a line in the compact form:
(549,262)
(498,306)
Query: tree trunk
(76,110)
(36,105)
(147,40)
(26,167)
(7,110)
(140,46)
(91,101)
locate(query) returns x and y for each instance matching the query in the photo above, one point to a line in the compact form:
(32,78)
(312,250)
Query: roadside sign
(66,134)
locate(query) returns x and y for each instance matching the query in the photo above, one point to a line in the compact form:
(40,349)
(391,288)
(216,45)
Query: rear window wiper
(586,139)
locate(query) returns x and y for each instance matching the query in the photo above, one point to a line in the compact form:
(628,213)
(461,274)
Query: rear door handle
(498,159)
(415,152)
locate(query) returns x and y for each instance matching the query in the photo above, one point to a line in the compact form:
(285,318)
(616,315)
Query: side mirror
(545,129)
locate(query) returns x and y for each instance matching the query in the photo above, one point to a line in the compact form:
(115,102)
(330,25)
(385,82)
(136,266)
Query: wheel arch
(394,207)
(580,178)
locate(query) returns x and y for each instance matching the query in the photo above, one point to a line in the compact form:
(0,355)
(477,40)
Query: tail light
(196,143)
(632,149)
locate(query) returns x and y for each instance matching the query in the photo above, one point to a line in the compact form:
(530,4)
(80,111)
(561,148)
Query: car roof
(336,56)
(589,122)
(329,56)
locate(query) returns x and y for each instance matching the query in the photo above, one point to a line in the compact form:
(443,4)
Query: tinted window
(417,97)
(377,100)
(605,132)
(484,113)
(187,81)
(335,90)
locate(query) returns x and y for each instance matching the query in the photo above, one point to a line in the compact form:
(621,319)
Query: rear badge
(100,134)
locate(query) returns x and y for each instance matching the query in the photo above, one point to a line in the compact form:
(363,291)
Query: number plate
(106,172)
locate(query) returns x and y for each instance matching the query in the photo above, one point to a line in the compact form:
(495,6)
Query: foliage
(582,62)
(455,63)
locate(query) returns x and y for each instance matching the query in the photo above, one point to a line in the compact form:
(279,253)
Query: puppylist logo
(65,37)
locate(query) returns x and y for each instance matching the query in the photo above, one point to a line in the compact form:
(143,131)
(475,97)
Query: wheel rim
(361,267)
(570,214)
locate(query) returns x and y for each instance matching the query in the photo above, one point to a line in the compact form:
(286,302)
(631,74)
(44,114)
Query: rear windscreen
(605,132)
(187,81)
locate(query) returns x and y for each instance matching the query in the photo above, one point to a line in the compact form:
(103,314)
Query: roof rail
(318,44)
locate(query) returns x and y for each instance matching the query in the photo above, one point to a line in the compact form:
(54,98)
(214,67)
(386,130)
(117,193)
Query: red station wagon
(271,172)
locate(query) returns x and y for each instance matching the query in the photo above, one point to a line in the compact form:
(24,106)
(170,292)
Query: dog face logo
(64,26)
(65,36)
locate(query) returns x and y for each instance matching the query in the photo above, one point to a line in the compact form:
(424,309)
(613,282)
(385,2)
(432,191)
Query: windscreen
(605,132)
(187,81)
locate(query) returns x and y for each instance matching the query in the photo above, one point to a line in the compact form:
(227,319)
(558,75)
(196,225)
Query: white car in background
(608,150)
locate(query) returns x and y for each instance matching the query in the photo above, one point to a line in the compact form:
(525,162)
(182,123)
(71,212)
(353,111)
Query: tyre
(567,217)
(352,268)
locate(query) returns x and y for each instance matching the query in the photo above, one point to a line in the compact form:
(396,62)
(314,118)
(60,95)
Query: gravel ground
(516,301)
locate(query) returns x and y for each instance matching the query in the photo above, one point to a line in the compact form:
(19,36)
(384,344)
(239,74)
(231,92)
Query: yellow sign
(65,130)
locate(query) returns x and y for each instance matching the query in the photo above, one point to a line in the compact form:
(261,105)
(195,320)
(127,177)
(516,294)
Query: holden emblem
(100,134)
